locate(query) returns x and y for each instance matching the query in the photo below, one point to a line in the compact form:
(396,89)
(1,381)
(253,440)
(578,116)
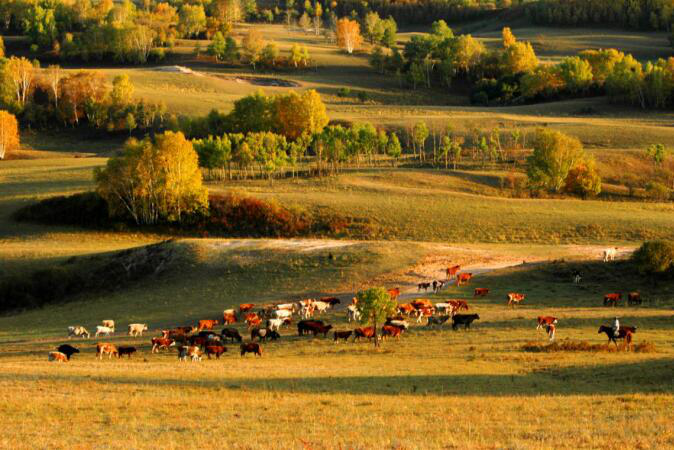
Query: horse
(624,333)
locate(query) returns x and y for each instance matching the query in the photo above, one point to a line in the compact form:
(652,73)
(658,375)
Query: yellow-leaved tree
(295,115)
(9,133)
(154,181)
(348,35)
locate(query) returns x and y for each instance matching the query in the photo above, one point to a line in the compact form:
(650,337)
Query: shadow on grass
(648,377)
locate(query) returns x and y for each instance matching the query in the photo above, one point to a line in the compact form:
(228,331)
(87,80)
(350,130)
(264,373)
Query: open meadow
(292,198)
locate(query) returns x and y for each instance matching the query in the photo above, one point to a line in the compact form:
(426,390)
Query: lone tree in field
(554,156)
(9,133)
(348,35)
(375,305)
(658,153)
(654,257)
(153,180)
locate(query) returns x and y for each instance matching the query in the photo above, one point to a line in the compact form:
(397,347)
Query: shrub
(583,181)
(87,209)
(654,257)
(343,92)
(657,191)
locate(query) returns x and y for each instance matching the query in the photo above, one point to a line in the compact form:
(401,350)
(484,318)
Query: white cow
(610,254)
(400,324)
(321,306)
(281,314)
(287,306)
(109,323)
(352,313)
(276,324)
(103,330)
(78,331)
(136,329)
(446,308)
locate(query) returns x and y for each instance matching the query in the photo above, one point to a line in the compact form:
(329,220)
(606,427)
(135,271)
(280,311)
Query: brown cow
(332,300)
(406,308)
(612,299)
(104,348)
(216,350)
(253,320)
(343,335)
(367,332)
(515,298)
(198,341)
(422,304)
(452,271)
(159,343)
(229,318)
(58,357)
(207,324)
(462,278)
(245,307)
(394,293)
(389,330)
(634,298)
(251,347)
(544,321)
(481,292)
(192,352)
(458,305)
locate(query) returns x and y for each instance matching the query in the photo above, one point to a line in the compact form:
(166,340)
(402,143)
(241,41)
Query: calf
(634,298)
(207,324)
(78,331)
(463,319)
(103,330)
(67,350)
(161,343)
(231,333)
(388,330)
(612,299)
(105,349)
(544,321)
(481,292)
(191,352)
(515,299)
(57,357)
(343,335)
(136,329)
(251,347)
(216,350)
(437,320)
(121,351)
(367,332)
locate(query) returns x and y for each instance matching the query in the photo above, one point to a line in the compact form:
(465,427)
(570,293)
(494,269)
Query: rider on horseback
(616,327)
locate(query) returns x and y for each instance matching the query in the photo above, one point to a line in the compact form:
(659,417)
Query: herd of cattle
(194,341)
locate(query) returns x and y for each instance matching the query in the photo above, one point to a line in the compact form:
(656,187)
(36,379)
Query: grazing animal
(424,286)
(452,271)
(551,329)
(216,350)
(103,330)
(407,309)
(105,349)
(191,352)
(276,324)
(463,319)
(159,343)
(307,311)
(388,330)
(136,329)
(394,293)
(367,332)
(446,308)
(343,335)
(624,333)
(121,351)
(462,278)
(78,331)
(481,292)
(282,313)
(199,341)
(313,327)
(251,347)
(515,298)
(229,317)
(424,312)
(634,298)
(263,334)
(186,329)
(286,307)
(458,305)
(67,350)
(437,320)
(612,299)
(352,313)
(109,323)
(437,285)
(577,276)
(609,254)
(231,333)
(305,326)
(544,321)
(402,324)
(57,357)
(332,300)
(176,334)
(245,307)
(207,324)
(253,322)
(321,307)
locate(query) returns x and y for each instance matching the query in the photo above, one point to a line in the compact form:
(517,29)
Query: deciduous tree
(9,133)
(554,156)
(348,35)
(375,305)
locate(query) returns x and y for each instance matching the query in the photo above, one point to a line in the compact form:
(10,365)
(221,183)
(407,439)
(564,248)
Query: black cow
(263,334)
(464,319)
(67,350)
(231,333)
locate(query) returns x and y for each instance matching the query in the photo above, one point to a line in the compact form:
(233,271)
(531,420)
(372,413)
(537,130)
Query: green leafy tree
(583,180)
(554,156)
(393,147)
(654,257)
(420,133)
(375,305)
(658,153)
(122,91)
(576,74)
(192,19)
